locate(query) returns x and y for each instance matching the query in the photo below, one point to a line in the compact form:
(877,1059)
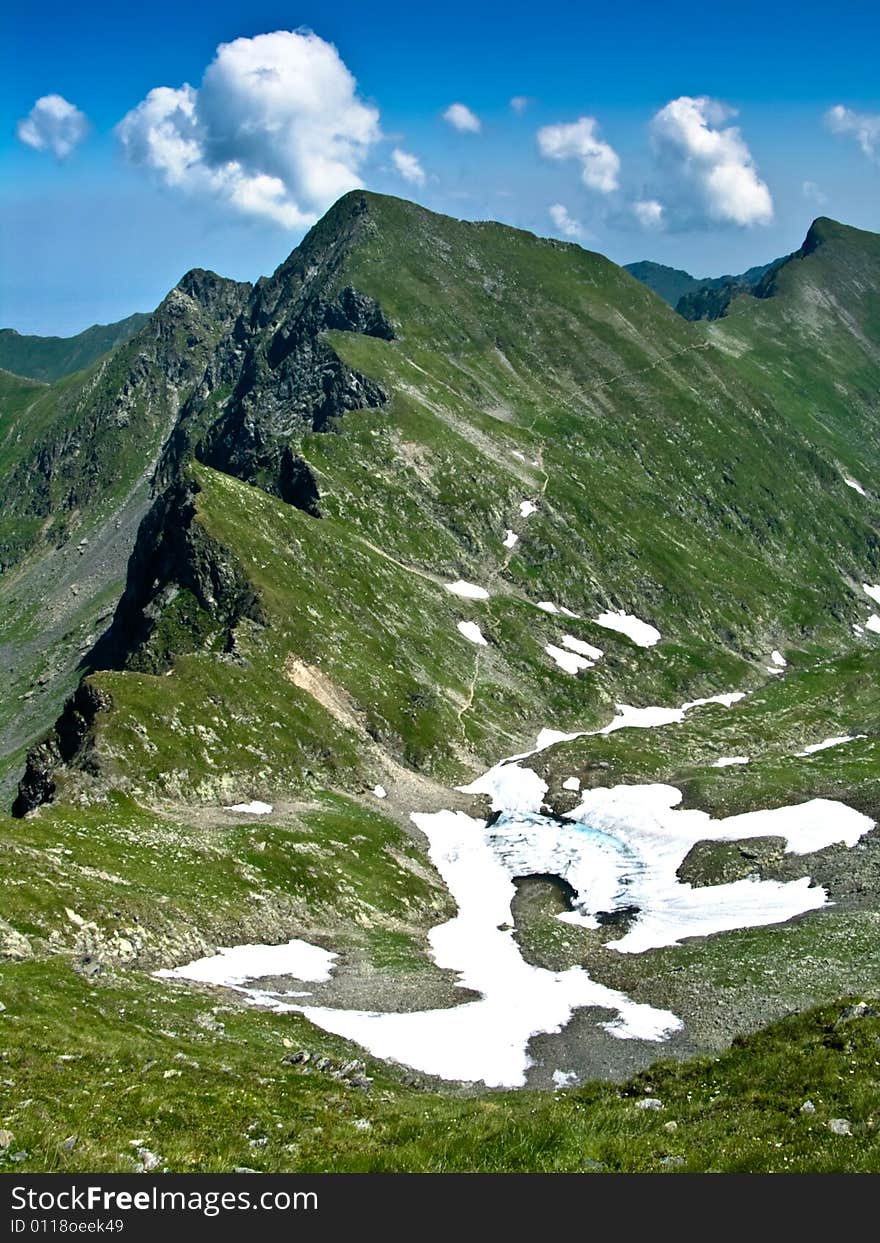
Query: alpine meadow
(442,725)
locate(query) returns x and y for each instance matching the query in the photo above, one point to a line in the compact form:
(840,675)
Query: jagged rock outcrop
(69,743)
(183,591)
(275,377)
(98,436)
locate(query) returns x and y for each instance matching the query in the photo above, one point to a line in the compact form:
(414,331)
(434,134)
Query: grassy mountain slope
(811,339)
(518,368)
(52,358)
(339,443)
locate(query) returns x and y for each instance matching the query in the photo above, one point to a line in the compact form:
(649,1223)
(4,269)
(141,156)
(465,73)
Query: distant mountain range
(697,297)
(51,358)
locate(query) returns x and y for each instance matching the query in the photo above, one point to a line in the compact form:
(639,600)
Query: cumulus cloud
(461,118)
(276,130)
(811,191)
(53,124)
(649,213)
(708,164)
(563,222)
(863,126)
(408,166)
(519,103)
(600,164)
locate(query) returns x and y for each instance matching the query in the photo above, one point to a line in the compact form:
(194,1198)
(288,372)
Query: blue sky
(707,138)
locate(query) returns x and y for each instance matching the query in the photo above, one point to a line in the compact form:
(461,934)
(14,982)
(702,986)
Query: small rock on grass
(650,1102)
(808,1107)
(6,1138)
(840,1126)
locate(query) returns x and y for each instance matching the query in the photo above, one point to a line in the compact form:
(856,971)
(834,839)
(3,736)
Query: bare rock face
(256,373)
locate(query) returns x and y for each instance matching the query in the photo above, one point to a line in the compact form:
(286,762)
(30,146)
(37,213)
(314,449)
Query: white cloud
(712,169)
(599,162)
(863,126)
(519,103)
(811,191)
(276,130)
(408,166)
(563,222)
(649,213)
(461,118)
(53,124)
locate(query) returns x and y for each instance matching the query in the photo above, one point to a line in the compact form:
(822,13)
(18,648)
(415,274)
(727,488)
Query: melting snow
(236,966)
(852,483)
(472,632)
(625,623)
(564,1078)
(585,649)
(256,808)
(726,761)
(486,1039)
(510,787)
(829,742)
(873,623)
(629,717)
(620,848)
(643,820)
(527,508)
(510,538)
(469,590)
(569,661)
(873,592)
(549,607)
(778,659)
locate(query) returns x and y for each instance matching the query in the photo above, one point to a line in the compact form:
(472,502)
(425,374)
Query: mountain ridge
(51,358)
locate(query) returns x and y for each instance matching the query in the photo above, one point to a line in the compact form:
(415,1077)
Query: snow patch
(527,508)
(255,808)
(472,633)
(570,662)
(470,591)
(644,821)
(237,965)
(641,633)
(510,787)
(510,538)
(571,783)
(727,761)
(873,592)
(854,484)
(584,649)
(485,1039)
(828,743)
(873,624)
(380,792)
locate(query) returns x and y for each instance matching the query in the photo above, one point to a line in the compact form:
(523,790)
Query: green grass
(123,1063)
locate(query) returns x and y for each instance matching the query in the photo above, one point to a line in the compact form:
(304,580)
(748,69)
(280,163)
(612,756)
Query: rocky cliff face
(256,374)
(273,377)
(91,440)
